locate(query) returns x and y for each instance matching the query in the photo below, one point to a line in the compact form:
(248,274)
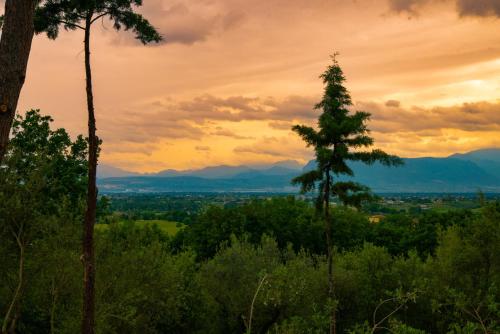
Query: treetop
(70,14)
(340,137)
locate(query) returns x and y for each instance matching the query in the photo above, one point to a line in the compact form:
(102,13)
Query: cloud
(194,119)
(469,117)
(295,107)
(219,131)
(209,107)
(189,22)
(202,148)
(409,6)
(406,131)
(138,165)
(140,127)
(393,104)
(290,147)
(183,22)
(200,117)
(478,8)
(206,108)
(115,147)
(281,125)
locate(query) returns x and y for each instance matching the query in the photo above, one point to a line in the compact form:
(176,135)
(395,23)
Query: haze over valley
(458,173)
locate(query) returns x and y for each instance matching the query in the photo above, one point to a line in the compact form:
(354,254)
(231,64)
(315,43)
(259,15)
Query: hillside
(487,159)
(457,173)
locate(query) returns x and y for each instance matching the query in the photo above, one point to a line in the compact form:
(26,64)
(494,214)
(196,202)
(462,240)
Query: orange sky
(234,75)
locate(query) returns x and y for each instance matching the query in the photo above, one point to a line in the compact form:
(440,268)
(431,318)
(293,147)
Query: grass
(166,226)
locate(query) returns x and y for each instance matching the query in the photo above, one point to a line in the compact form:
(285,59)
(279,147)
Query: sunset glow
(233,76)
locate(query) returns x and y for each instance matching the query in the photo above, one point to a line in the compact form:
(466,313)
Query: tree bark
(88,315)
(328,232)
(15,46)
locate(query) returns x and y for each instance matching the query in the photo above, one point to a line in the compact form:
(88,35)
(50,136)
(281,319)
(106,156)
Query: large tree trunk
(329,245)
(90,214)
(15,46)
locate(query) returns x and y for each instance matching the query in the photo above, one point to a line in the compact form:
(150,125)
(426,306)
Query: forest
(328,259)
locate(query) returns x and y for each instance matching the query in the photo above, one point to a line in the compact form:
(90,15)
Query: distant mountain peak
(491,154)
(105,171)
(290,164)
(487,159)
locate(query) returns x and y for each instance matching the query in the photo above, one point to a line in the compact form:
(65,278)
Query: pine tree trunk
(329,245)
(15,46)
(90,214)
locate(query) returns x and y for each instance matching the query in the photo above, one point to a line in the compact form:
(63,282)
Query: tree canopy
(340,137)
(73,14)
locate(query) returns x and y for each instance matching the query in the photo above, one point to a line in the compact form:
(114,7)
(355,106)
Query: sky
(232,76)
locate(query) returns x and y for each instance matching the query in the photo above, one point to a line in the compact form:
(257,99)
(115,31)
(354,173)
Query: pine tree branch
(70,24)
(99,16)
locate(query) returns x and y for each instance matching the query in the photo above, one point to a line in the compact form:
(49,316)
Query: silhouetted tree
(15,46)
(340,137)
(82,14)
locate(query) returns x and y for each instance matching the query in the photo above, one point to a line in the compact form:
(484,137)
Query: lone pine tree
(340,137)
(82,14)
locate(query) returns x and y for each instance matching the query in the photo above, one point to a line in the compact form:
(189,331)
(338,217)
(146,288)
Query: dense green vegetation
(294,221)
(432,272)
(43,186)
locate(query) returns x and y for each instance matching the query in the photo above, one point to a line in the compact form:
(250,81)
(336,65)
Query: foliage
(41,157)
(70,13)
(43,183)
(466,271)
(231,278)
(143,287)
(340,138)
(286,219)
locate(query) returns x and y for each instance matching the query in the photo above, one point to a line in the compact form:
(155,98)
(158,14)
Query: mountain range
(458,173)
